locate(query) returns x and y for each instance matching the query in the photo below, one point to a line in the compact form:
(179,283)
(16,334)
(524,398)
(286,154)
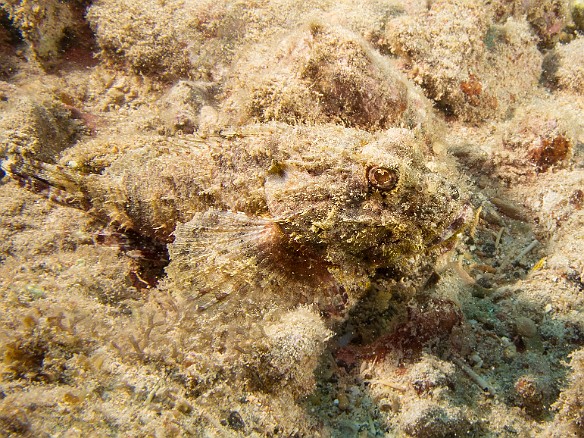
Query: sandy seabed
(176,253)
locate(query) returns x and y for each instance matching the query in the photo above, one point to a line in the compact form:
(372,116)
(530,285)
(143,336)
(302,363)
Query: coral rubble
(281,218)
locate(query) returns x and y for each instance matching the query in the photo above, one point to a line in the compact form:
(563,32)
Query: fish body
(297,214)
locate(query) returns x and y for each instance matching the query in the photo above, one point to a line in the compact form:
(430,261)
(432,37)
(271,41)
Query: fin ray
(221,254)
(49,180)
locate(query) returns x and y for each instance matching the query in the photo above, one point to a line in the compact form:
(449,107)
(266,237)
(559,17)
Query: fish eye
(382,178)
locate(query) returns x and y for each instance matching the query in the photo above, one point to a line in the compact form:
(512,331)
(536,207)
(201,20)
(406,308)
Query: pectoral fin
(223,257)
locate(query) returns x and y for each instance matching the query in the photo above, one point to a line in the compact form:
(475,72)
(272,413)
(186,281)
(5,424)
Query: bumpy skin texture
(321,213)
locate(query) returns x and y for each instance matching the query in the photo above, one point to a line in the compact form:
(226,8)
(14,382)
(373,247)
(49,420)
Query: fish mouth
(447,235)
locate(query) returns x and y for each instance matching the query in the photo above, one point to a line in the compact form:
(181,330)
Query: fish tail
(55,182)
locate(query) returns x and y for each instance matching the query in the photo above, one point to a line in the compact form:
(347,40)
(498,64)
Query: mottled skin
(318,212)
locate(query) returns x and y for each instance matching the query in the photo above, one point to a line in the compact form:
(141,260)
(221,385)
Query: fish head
(377,205)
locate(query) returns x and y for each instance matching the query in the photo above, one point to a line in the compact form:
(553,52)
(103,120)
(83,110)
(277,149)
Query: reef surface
(292,219)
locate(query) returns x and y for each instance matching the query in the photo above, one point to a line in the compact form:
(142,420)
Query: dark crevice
(77,46)
(9,33)
(10,41)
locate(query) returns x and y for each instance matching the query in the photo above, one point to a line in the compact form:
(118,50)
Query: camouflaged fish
(290,214)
